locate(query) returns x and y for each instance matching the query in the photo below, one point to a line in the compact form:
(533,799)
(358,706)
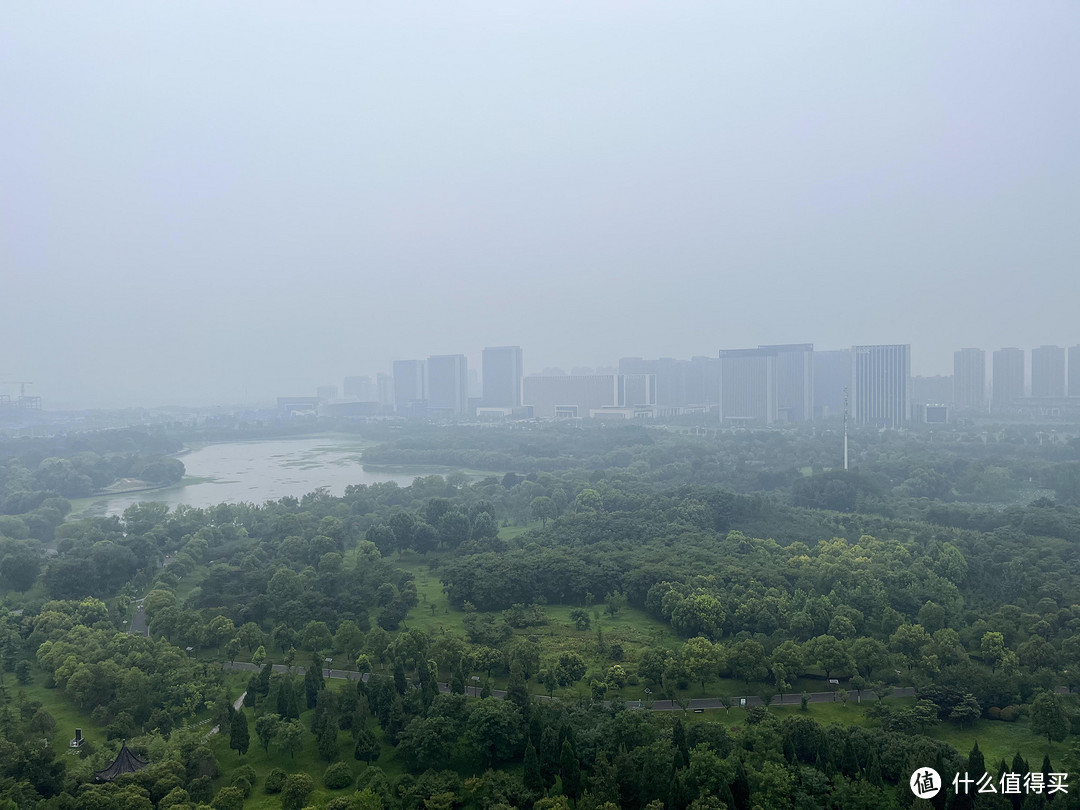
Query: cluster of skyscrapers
(1054,375)
(774,384)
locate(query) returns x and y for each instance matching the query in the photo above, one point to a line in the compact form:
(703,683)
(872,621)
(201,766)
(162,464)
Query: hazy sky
(208,202)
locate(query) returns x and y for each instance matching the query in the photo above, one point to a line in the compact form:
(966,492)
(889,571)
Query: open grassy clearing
(306,761)
(997,740)
(67,715)
(509,533)
(632,629)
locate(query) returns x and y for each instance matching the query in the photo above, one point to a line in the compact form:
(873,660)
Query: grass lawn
(68,716)
(190,582)
(432,613)
(306,761)
(999,740)
(633,629)
(511,532)
(824,713)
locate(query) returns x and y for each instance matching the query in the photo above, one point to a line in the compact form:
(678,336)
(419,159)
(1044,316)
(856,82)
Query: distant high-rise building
(1048,371)
(670,377)
(1008,376)
(832,376)
(768,384)
(670,382)
(881,385)
(448,384)
(326,392)
(969,379)
(748,385)
(502,373)
(1074,371)
(408,383)
(360,388)
(384,386)
(703,381)
(794,381)
(639,390)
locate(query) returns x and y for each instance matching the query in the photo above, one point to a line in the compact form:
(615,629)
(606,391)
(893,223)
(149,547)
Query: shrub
(1009,714)
(228,798)
(275,780)
(337,776)
(244,772)
(174,797)
(199,789)
(298,788)
(993,713)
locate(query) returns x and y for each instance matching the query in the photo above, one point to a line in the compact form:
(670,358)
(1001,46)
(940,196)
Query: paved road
(657,706)
(138,621)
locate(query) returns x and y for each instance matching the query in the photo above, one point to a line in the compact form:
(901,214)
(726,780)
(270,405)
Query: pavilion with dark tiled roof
(125,762)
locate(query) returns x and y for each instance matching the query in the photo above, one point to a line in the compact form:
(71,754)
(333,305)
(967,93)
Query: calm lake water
(260,471)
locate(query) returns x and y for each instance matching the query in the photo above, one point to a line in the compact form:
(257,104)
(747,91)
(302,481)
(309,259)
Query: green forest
(605,617)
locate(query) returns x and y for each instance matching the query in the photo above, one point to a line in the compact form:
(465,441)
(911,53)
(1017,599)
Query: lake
(260,471)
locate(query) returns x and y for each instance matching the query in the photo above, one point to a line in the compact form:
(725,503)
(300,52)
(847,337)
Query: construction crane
(24,401)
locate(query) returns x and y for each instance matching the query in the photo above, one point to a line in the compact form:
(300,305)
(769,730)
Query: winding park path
(236,707)
(138,620)
(692,704)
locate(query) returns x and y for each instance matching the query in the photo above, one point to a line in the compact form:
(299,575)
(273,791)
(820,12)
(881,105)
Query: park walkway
(692,704)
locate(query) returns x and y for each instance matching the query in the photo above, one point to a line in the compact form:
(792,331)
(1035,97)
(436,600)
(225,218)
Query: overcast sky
(208,202)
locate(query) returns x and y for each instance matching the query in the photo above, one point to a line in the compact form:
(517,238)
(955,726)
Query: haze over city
(207,204)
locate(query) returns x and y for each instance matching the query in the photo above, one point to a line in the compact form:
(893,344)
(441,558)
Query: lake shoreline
(259,470)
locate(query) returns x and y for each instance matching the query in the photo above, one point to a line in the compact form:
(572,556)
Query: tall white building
(1008,376)
(969,379)
(748,385)
(768,384)
(408,383)
(502,374)
(1048,371)
(1074,371)
(447,384)
(794,381)
(881,385)
(832,377)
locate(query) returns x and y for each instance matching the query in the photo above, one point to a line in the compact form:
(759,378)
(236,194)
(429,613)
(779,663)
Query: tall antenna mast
(845,426)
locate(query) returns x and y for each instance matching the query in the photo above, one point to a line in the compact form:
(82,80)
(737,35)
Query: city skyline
(1004,371)
(627,365)
(275,218)
(765,385)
